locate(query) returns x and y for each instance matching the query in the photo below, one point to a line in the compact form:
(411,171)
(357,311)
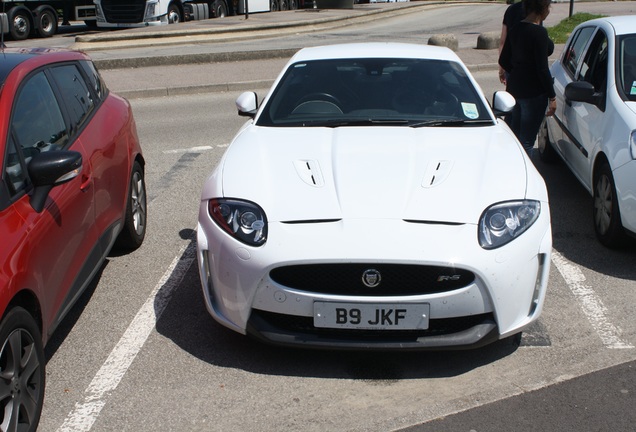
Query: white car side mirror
(503,102)
(247,104)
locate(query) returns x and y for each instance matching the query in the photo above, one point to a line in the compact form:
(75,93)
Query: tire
(606,214)
(219,9)
(20,23)
(174,14)
(22,374)
(46,20)
(284,5)
(135,220)
(547,153)
(293,4)
(274,5)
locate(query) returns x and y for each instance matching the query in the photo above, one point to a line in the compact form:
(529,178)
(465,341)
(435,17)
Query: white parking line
(188,150)
(107,379)
(592,306)
(194,149)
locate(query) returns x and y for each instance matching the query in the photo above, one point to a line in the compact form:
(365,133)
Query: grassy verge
(560,32)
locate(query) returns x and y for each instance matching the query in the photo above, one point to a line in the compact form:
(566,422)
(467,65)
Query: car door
(564,73)
(57,246)
(586,122)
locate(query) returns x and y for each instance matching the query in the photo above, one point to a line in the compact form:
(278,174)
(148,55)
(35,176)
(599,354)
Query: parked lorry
(140,13)
(24,18)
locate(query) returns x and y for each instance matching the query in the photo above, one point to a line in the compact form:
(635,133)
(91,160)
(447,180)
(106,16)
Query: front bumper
(505,295)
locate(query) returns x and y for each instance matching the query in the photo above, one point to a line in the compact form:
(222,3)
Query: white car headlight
(243,220)
(501,223)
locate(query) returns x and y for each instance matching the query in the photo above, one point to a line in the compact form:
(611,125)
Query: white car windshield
(375,91)
(627,65)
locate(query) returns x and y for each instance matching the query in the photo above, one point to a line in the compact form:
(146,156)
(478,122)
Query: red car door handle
(86,183)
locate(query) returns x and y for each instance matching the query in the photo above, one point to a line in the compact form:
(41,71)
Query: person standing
(513,15)
(524,57)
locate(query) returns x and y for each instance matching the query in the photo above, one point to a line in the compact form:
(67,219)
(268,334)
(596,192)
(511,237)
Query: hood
(631,105)
(435,174)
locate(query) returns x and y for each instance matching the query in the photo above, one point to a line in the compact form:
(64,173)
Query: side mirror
(50,169)
(582,91)
(503,102)
(247,104)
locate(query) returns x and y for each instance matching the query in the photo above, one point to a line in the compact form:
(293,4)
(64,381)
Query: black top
(514,14)
(525,57)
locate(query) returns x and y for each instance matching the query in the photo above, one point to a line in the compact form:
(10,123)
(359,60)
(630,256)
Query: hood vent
(309,172)
(436,172)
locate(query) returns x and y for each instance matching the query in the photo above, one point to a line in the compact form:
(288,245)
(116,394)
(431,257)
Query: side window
(594,68)
(75,92)
(37,121)
(574,50)
(626,66)
(15,175)
(94,79)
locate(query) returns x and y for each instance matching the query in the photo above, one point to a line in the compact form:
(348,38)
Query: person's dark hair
(536,6)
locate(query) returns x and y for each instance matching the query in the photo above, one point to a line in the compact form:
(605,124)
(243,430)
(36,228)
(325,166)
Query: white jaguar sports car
(374,200)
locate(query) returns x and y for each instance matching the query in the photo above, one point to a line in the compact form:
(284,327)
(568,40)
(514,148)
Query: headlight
(503,222)
(243,220)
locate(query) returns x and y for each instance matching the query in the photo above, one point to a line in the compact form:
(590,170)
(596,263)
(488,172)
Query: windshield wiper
(356,122)
(451,122)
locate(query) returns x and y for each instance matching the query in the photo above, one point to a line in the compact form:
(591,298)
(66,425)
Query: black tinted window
(372,89)
(574,50)
(75,92)
(94,79)
(37,120)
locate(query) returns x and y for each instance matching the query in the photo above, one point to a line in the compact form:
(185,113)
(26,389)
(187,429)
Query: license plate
(383,316)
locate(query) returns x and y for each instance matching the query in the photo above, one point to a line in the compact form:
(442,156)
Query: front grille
(396,279)
(124,11)
(296,325)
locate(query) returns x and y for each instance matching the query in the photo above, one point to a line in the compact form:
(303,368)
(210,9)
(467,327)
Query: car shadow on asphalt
(69,321)
(572,225)
(186,322)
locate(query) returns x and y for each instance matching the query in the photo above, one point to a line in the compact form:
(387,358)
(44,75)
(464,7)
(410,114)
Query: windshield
(627,65)
(361,92)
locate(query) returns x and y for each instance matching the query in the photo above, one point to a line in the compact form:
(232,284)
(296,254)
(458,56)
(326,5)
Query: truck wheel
(283,5)
(274,5)
(219,9)
(293,4)
(174,14)
(19,23)
(45,21)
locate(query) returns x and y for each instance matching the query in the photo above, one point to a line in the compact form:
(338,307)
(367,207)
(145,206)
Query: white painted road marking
(592,306)
(194,149)
(121,357)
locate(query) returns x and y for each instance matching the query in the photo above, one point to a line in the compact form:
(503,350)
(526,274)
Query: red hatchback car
(72,187)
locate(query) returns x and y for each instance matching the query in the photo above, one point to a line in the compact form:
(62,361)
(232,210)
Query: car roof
(375,50)
(12,57)
(623,24)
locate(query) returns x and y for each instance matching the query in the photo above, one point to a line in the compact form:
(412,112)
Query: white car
(594,128)
(375,201)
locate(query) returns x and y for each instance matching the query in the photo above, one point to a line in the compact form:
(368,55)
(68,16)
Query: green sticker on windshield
(470,110)
(633,90)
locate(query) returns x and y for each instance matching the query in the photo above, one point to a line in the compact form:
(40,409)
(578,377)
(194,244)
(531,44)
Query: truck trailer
(141,13)
(22,19)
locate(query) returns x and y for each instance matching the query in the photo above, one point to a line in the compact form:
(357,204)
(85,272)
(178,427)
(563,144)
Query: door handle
(87,181)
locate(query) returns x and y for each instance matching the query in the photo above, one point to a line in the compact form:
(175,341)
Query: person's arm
(502,40)
(543,69)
